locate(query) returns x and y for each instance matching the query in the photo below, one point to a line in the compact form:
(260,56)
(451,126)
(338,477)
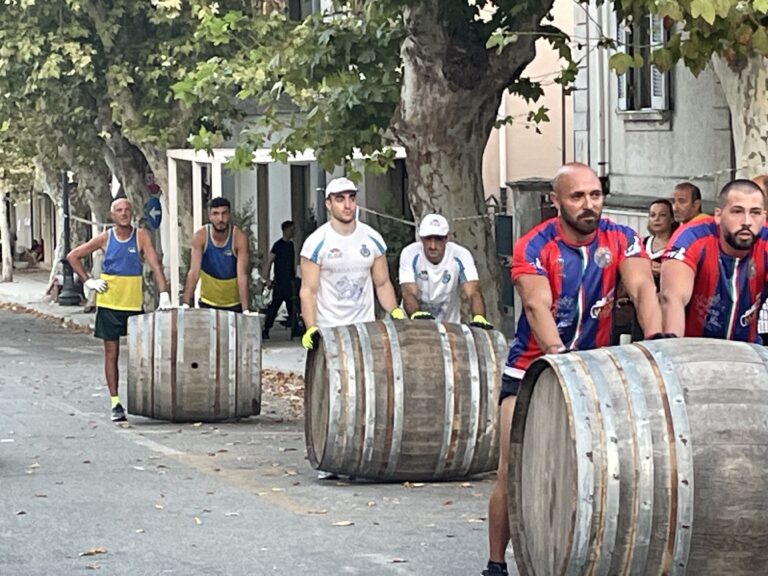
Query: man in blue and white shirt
(434,270)
(342,263)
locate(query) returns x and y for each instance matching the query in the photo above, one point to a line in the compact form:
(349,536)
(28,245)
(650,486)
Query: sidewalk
(26,294)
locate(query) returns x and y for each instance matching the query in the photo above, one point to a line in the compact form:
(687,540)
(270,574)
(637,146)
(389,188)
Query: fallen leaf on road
(447,502)
(33,466)
(198,521)
(232,514)
(93,552)
(21,513)
(475,520)
(278,489)
(86,461)
(94,566)
(413,484)
(140,531)
(371,503)
(159,506)
(139,468)
(466,485)
(344,523)
(399,561)
(41,495)
(322,511)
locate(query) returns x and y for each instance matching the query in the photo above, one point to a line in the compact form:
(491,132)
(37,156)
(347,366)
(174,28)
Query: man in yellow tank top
(119,289)
(220,261)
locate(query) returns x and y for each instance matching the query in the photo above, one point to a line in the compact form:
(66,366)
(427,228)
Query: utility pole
(68,295)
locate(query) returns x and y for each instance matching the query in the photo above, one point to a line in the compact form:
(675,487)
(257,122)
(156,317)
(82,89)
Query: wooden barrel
(404,400)
(189,365)
(650,458)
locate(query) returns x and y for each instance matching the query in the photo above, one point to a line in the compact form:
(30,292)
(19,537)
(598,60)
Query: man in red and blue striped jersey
(713,274)
(566,273)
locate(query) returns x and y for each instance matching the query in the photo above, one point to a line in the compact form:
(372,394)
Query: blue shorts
(509,387)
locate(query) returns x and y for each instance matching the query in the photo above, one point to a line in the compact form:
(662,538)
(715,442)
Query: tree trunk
(746,91)
(5,240)
(450,96)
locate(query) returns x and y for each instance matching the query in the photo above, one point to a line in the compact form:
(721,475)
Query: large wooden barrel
(404,400)
(650,458)
(189,365)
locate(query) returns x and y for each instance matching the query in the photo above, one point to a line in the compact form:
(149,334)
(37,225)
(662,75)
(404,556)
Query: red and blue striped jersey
(727,291)
(582,279)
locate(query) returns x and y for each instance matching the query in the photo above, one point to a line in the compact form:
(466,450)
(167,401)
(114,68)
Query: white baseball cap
(433,225)
(339,185)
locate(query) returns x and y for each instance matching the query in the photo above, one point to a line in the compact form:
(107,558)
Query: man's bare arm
(76,254)
(637,278)
(677,280)
(410,294)
(473,293)
(243,272)
(385,292)
(196,260)
(536,296)
(148,250)
(310,284)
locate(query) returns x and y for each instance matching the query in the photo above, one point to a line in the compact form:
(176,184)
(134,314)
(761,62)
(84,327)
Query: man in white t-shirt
(342,263)
(433,270)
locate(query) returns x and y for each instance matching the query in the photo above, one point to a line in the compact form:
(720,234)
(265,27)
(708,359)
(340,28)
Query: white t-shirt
(438,284)
(345,295)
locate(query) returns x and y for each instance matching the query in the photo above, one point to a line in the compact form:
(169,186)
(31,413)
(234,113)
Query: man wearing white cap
(342,263)
(431,272)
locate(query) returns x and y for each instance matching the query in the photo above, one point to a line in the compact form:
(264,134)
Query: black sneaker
(264,335)
(495,570)
(118,413)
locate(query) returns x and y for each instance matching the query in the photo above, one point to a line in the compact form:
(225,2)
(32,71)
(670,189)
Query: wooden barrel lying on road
(650,458)
(404,400)
(189,365)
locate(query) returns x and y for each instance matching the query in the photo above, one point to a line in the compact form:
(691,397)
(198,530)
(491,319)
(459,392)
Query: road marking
(240,478)
(11,351)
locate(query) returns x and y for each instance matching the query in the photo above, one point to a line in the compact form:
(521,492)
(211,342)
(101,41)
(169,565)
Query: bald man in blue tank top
(219,261)
(119,288)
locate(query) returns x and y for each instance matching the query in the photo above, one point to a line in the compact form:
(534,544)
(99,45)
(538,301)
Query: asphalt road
(80,495)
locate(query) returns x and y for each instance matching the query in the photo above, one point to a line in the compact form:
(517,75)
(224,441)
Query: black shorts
(235,308)
(111,324)
(509,387)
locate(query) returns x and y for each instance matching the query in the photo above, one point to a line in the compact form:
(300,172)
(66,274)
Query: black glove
(662,336)
(422,315)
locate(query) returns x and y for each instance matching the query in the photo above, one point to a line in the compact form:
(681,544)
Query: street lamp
(68,295)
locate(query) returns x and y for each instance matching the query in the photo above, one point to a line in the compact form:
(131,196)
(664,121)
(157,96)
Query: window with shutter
(645,88)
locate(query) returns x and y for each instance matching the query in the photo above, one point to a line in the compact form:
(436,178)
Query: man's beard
(579,224)
(737,243)
(221,226)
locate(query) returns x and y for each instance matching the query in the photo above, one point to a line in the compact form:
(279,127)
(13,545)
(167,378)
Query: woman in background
(661,225)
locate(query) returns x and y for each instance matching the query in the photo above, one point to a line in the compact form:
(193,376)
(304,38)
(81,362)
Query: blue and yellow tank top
(218,272)
(122,271)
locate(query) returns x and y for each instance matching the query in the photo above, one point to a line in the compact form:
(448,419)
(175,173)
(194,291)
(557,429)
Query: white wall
(647,154)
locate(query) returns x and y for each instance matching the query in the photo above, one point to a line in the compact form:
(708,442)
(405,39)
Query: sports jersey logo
(131,250)
(364,251)
(748,317)
(634,249)
(423,275)
(446,277)
(602,307)
(334,253)
(676,254)
(751,270)
(538,266)
(603,257)
(228,253)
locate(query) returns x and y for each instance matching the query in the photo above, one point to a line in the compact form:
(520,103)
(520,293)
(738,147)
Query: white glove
(165,301)
(96,284)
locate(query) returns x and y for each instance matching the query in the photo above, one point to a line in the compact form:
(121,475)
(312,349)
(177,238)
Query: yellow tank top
(122,271)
